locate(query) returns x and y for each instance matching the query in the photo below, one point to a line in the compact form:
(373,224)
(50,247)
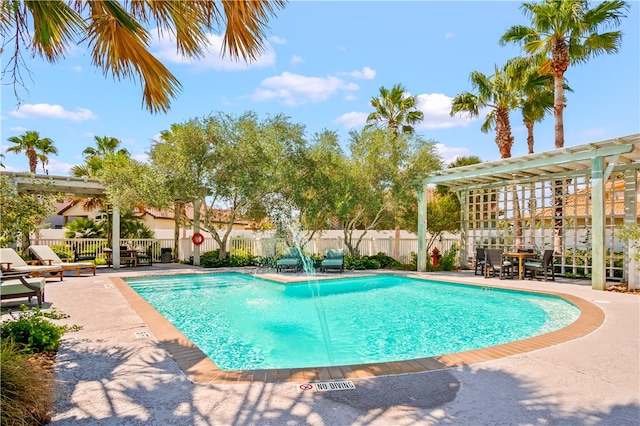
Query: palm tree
(106,147)
(46,148)
(501,93)
(34,147)
(537,92)
(566,33)
(395,110)
(118,39)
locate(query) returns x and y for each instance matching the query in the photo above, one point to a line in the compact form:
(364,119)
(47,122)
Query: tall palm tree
(117,36)
(35,148)
(500,94)
(46,148)
(537,91)
(395,110)
(566,33)
(106,147)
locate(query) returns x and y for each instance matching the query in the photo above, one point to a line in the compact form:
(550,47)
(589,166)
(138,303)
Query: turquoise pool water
(243,322)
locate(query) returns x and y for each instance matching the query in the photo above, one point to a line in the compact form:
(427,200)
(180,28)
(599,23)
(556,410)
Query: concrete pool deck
(116,370)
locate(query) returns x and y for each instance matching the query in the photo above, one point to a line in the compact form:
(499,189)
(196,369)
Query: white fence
(256,246)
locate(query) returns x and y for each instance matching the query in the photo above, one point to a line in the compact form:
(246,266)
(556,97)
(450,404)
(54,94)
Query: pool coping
(201,369)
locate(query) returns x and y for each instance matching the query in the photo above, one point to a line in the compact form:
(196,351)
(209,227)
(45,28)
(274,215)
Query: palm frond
(56,27)
(120,46)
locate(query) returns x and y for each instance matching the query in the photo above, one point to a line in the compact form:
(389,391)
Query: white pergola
(595,162)
(68,186)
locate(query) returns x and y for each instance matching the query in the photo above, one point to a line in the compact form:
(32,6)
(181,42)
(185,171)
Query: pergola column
(597,224)
(631,272)
(115,237)
(422,229)
(196,229)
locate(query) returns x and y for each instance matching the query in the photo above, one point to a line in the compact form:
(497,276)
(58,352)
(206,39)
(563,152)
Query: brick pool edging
(199,368)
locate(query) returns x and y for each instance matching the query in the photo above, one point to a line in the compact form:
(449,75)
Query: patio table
(520,257)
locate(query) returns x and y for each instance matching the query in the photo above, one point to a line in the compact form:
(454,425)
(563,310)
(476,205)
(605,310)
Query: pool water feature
(245,322)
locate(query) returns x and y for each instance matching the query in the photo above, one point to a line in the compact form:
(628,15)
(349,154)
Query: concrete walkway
(109,375)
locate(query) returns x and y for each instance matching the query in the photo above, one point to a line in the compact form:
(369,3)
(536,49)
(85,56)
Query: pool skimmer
(141,334)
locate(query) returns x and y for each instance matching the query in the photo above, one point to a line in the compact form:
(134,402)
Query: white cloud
(295,59)
(143,158)
(365,74)
(19,129)
(451,153)
(352,120)
(27,111)
(56,167)
(295,89)
(449,35)
(278,40)
(77,69)
(164,48)
(436,108)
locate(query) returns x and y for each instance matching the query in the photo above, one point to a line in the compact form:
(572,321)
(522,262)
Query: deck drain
(109,286)
(326,386)
(141,334)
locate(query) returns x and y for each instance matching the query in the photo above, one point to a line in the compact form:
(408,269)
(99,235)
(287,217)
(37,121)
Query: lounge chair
(479,261)
(334,259)
(495,264)
(49,258)
(544,265)
(12,262)
(18,286)
(291,259)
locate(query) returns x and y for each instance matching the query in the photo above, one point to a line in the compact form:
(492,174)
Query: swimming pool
(243,322)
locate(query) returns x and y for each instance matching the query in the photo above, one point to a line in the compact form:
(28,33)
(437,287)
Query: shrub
(63,251)
(386,262)
(33,331)
(26,391)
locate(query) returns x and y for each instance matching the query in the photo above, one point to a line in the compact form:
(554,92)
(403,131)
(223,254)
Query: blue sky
(324,63)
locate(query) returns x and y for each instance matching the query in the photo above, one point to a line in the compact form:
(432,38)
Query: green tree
(34,147)
(21,214)
(373,193)
(309,178)
(567,32)
(116,35)
(225,162)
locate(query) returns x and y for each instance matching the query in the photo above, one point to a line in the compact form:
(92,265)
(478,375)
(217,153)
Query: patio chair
(50,258)
(544,265)
(479,261)
(291,259)
(11,261)
(334,259)
(495,264)
(16,286)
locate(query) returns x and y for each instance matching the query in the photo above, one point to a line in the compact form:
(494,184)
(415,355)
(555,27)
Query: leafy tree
(21,214)
(34,147)
(116,35)
(372,194)
(228,163)
(566,32)
(309,181)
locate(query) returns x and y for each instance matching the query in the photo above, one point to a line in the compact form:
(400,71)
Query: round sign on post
(197,238)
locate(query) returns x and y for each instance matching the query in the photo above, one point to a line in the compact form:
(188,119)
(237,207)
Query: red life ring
(197,238)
